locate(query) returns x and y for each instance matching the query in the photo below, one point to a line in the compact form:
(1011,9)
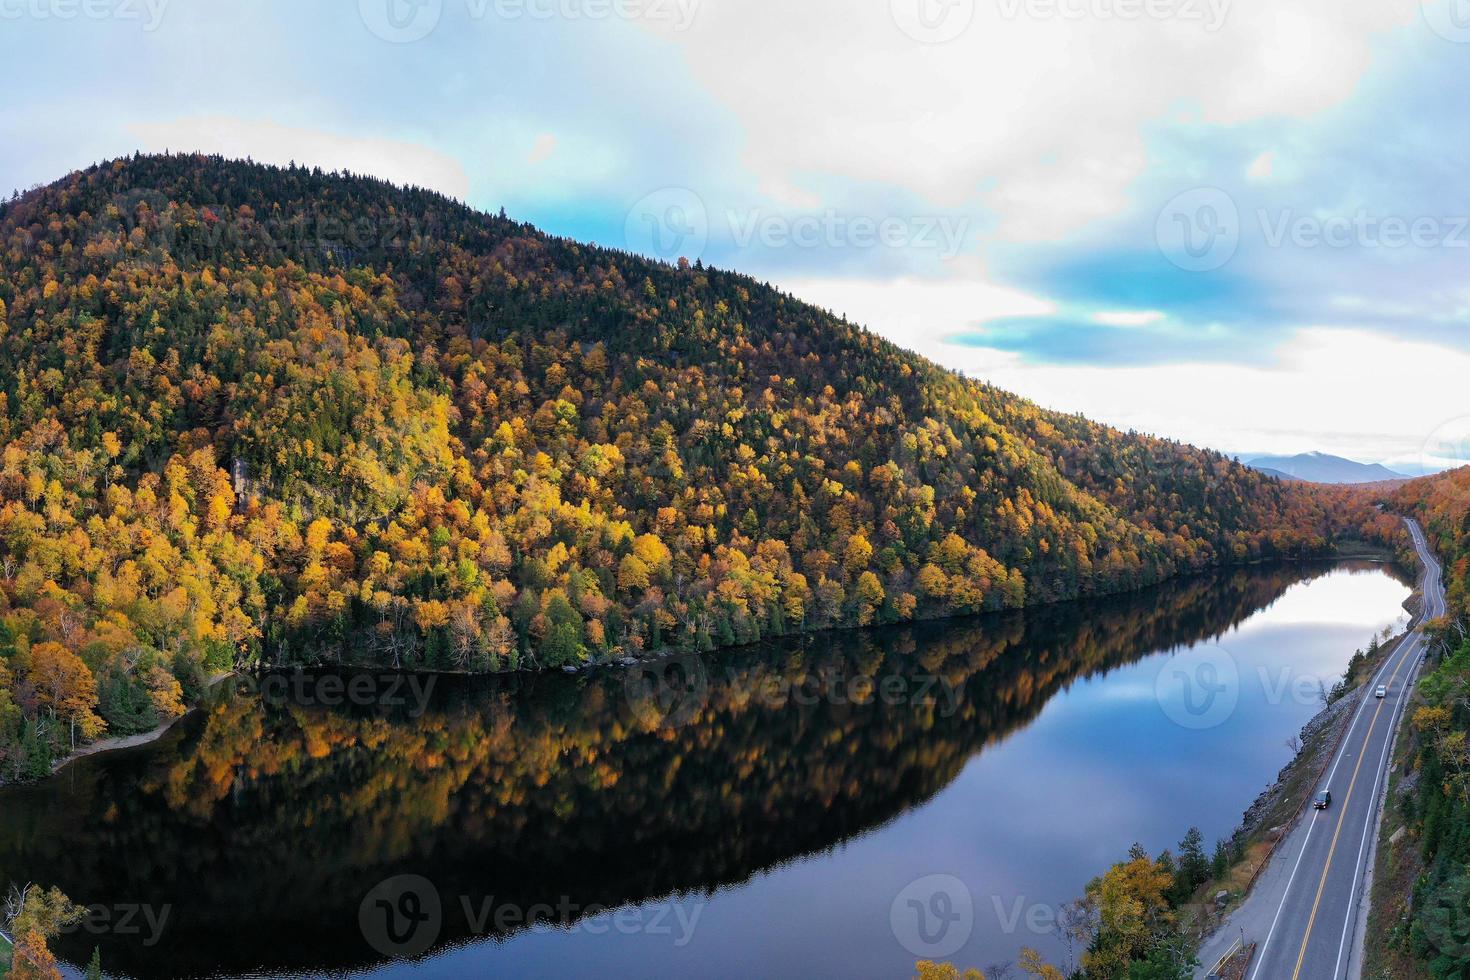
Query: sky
(1241,223)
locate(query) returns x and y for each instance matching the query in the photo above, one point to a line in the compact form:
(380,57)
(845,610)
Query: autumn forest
(257,416)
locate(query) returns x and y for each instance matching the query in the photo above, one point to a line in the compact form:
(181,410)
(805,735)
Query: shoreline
(120,742)
(1319,724)
(672,653)
(1272,815)
(1380,556)
(123,742)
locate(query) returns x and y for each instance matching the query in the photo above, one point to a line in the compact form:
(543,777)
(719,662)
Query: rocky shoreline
(1318,737)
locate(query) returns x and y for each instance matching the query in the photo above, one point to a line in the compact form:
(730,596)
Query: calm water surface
(834,807)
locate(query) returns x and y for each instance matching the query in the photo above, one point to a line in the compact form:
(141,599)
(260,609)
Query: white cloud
(1036,115)
(1127,318)
(1261,166)
(268,142)
(918,313)
(1357,393)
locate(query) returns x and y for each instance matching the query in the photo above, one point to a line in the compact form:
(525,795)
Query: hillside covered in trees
(254,415)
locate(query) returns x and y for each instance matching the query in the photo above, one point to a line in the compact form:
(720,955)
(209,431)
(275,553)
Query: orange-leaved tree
(64,685)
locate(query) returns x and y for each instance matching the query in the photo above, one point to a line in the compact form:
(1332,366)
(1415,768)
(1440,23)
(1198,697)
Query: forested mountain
(262,415)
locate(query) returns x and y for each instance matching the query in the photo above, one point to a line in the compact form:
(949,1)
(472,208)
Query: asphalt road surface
(1304,911)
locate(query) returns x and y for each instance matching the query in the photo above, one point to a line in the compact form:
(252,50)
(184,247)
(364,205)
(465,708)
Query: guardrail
(1217,972)
(1235,947)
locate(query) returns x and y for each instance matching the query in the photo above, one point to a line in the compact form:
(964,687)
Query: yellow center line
(1343,811)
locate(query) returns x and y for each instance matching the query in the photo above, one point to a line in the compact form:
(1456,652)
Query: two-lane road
(1303,912)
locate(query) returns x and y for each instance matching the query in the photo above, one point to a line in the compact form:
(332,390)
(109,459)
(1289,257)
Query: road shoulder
(1380,948)
(1273,825)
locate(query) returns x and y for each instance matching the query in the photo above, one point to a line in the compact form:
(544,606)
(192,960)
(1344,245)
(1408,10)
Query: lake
(837,805)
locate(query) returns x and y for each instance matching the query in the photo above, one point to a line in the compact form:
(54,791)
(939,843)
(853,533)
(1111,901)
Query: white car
(1382,692)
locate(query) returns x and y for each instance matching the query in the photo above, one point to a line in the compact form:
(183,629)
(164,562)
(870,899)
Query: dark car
(1323,800)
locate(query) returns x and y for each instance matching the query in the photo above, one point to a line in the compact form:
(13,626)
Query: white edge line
(1370,826)
(1341,754)
(1356,902)
(1375,816)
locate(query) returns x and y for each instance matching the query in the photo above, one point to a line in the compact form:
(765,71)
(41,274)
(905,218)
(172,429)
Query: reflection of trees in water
(273,820)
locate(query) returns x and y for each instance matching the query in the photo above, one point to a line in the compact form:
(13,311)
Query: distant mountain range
(1322,468)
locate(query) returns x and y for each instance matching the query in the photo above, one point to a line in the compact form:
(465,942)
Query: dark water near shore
(835,806)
